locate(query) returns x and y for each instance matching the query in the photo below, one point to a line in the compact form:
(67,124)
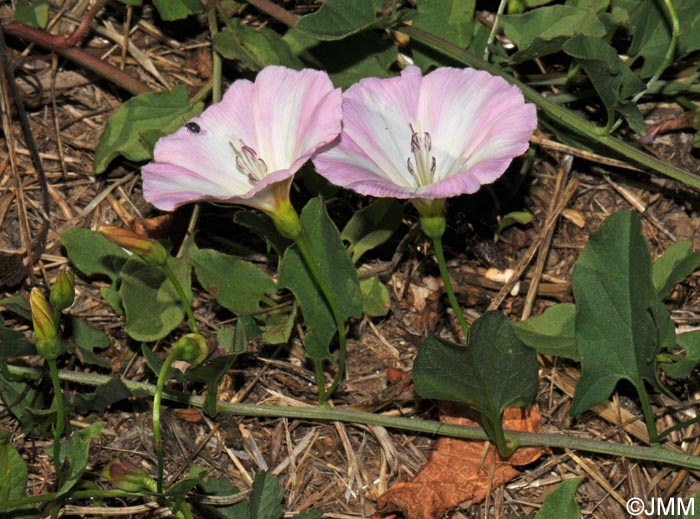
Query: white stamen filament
(248,162)
(424,169)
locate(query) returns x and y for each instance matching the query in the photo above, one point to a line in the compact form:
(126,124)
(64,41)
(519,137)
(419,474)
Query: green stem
(558,113)
(303,245)
(158,395)
(439,253)
(215,57)
(648,413)
(494,29)
(183,298)
(52,496)
(60,420)
(522,439)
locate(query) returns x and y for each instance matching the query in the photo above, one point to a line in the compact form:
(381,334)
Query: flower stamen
(248,162)
(426,163)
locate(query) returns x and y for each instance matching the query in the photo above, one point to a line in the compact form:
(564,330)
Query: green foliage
(510,219)
(103,397)
(681,367)
(34,13)
(611,77)
(376,299)
(75,455)
(451,19)
(543,31)
(134,128)
(86,340)
(368,54)
(13,475)
(676,264)
(236,284)
(493,371)
(255,48)
(337,19)
(171,10)
(560,504)
(335,267)
(371,226)
(618,313)
(13,343)
(552,333)
(152,306)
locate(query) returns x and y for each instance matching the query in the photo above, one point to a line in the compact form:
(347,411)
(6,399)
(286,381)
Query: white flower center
(248,162)
(424,168)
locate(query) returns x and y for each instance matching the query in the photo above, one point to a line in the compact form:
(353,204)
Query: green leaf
(222,487)
(371,226)
(104,396)
(153,308)
(127,130)
(543,31)
(510,219)
(236,284)
(255,48)
(337,19)
(335,267)
(552,333)
(368,54)
(376,299)
(13,471)
(266,499)
(560,504)
(682,367)
(86,340)
(278,326)
(611,77)
(13,343)
(677,263)
(450,19)
(18,305)
(75,455)
(93,254)
(32,13)
(21,397)
(171,10)
(616,330)
(494,371)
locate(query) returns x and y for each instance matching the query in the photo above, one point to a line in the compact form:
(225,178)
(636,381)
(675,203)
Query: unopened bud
(192,348)
(148,250)
(63,292)
(48,343)
(128,477)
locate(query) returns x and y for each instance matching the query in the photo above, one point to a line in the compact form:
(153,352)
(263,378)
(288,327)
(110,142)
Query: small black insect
(193,127)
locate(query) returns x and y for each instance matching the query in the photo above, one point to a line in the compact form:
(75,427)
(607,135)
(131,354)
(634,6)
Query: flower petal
(284,117)
(477,123)
(295,113)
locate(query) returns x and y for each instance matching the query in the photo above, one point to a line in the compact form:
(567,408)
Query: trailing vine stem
(521,439)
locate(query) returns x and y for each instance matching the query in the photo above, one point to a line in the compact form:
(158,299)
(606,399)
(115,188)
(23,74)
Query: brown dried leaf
(461,470)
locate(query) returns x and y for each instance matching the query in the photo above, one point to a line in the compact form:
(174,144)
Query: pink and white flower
(246,148)
(427,138)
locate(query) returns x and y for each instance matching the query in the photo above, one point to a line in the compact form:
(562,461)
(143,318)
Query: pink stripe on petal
(289,114)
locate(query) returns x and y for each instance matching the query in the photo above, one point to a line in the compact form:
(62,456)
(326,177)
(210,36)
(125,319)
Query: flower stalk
(190,348)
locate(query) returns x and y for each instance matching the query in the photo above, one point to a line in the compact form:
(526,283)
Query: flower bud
(192,348)
(127,477)
(48,343)
(148,250)
(63,292)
